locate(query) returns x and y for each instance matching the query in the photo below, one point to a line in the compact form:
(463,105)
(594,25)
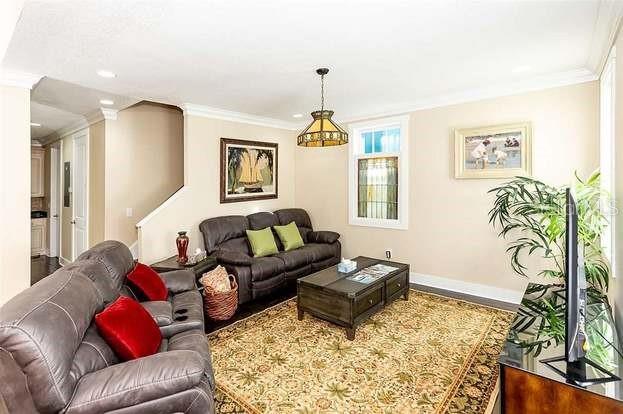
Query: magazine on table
(372,273)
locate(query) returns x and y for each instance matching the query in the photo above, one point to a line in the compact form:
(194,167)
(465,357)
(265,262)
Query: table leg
(406,295)
(350,334)
(300,314)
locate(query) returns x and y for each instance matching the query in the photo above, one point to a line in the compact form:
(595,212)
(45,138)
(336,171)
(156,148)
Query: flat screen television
(576,341)
(575,287)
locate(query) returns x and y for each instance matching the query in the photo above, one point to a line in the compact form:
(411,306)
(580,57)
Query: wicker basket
(220,306)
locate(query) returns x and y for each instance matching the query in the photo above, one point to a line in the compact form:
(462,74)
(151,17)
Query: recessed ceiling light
(523,68)
(106,102)
(106,74)
(34,124)
(297,116)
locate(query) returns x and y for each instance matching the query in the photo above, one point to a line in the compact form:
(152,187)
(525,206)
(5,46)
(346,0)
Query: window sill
(379,223)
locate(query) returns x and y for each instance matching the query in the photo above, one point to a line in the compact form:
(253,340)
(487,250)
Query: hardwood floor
(42,266)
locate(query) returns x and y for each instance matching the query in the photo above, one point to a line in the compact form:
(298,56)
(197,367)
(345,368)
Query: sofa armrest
(326,237)
(137,381)
(178,281)
(233,258)
(160,310)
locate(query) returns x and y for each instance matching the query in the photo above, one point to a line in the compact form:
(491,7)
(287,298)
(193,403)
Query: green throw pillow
(289,236)
(262,242)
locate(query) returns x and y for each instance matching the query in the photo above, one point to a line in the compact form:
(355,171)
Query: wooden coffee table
(330,295)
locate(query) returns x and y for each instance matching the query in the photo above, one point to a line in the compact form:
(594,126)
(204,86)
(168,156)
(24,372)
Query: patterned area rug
(430,354)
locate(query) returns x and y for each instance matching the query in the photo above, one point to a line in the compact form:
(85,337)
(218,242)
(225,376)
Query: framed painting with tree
(248,170)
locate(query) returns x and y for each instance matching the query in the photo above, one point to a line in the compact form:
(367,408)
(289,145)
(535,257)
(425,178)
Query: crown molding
(101,114)
(537,83)
(18,79)
(607,26)
(215,113)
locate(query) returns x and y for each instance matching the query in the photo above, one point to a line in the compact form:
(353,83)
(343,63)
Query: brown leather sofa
(225,238)
(52,358)
(183,294)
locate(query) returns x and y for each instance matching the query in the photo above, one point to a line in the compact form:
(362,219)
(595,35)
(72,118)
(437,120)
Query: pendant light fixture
(322,131)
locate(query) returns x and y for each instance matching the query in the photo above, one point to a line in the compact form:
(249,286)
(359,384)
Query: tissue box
(346,266)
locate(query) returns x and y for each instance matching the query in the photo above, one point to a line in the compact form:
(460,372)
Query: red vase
(182,247)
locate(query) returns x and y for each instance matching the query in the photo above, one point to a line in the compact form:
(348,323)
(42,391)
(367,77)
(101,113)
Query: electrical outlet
(388,254)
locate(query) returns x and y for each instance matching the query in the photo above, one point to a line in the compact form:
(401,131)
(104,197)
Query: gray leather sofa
(225,238)
(52,358)
(183,294)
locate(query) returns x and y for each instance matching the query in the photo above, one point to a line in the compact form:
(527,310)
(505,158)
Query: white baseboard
(468,288)
(62,261)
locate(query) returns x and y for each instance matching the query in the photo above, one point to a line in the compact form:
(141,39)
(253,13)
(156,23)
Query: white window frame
(355,153)
(607,113)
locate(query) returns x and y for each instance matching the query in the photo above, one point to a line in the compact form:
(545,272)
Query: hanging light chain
(322,92)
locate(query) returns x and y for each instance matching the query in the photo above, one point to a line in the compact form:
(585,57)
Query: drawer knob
(370,301)
(398,284)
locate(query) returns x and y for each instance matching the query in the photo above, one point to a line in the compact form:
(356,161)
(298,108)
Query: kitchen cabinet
(38,236)
(37,171)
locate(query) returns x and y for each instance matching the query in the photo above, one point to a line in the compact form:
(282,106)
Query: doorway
(79,193)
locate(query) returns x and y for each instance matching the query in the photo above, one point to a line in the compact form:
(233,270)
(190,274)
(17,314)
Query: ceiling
(259,57)
(56,104)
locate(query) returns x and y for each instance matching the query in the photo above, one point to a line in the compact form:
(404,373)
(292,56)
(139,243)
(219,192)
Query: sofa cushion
(148,282)
(290,236)
(218,230)
(318,251)
(42,328)
(294,259)
(263,268)
(323,237)
(115,256)
(262,242)
(129,329)
(263,219)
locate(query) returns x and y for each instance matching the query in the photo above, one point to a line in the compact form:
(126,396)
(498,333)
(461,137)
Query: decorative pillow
(148,282)
(290,236)
(262,242)
(217,279)
(129,329)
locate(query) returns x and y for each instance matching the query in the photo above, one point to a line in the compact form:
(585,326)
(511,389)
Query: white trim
(18,79)
(468,288)
(56,160)
(62,261)
(403,173)
(608,21)
(216,113)
(555,80)
(101,114)
(161,207)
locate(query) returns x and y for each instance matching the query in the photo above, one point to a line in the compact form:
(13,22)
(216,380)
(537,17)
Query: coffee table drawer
(368,300)
(396,284)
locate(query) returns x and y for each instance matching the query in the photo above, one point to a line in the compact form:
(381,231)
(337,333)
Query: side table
(170,264)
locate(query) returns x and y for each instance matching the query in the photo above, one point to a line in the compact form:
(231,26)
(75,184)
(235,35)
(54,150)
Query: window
(379,173)
(606,152)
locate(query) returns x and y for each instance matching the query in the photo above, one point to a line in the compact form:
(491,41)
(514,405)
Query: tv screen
(575,286)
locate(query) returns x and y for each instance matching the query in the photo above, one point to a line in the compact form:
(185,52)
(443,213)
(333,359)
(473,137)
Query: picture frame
(497,151)
(249,170)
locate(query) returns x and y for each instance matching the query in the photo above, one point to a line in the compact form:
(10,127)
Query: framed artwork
(501,151)
(248,170)
(67,184)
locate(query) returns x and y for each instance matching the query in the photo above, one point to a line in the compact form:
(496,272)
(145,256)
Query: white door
(55,198)
(80,193)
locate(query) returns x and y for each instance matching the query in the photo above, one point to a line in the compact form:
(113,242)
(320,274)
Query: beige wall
(97,152)
(449,235)
(144,165)
(199,198)
(15,191)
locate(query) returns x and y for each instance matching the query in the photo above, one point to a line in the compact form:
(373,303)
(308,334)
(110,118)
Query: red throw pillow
(145,279)
(129,329)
